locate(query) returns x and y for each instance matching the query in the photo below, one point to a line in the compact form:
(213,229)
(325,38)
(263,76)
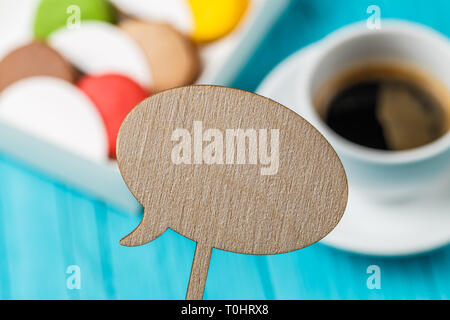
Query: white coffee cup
(387,174)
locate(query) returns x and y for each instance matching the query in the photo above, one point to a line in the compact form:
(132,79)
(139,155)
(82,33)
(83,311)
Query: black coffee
(385,107)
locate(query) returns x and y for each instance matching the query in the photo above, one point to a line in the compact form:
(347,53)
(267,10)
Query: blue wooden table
(46,226)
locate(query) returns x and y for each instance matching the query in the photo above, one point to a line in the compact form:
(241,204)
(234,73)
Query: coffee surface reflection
(385,106)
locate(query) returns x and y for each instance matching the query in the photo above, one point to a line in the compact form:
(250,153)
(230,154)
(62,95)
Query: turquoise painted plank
(33,251)
(46,226)
(78,225)
(158,270)
(234,276)
(320,272)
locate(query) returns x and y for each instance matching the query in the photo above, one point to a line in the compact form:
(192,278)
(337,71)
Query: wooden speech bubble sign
(230,170)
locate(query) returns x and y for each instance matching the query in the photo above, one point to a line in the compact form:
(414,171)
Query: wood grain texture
(199,272)
(229,206)
(31,234)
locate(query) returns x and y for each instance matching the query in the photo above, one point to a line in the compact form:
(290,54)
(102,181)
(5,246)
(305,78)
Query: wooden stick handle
(199,272)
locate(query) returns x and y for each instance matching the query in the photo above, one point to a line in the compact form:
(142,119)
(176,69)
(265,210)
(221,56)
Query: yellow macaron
(214,19)
(202,20)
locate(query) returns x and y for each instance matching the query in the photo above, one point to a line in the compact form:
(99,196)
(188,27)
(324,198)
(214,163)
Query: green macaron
(54,14)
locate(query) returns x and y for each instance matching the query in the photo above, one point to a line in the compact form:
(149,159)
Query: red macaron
(114,96)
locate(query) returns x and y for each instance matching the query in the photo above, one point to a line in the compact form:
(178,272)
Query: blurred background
(59,240)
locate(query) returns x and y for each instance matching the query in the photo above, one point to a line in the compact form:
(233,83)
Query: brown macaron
(34,59)
(173,59)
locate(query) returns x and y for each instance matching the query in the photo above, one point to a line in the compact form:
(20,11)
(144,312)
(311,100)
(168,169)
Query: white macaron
(56,111)
(99,47)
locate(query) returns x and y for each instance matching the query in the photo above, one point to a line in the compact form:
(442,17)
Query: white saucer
(369,227)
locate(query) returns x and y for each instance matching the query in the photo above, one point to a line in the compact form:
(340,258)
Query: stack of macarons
(87,63)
